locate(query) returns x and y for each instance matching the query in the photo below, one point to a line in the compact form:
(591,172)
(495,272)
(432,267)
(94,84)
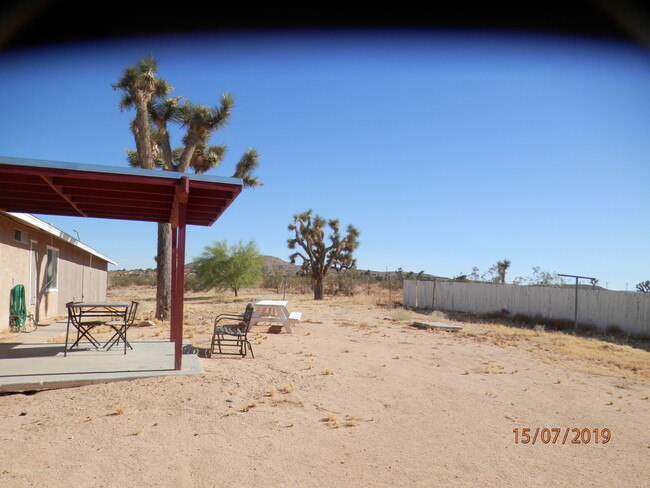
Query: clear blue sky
(446,151)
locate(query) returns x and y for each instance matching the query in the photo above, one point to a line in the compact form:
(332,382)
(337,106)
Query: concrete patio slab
(436,326)
(26,366)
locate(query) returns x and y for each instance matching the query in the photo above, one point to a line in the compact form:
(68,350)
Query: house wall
(81,275)
(14,266)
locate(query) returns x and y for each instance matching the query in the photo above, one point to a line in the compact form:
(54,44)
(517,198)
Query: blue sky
(446,150)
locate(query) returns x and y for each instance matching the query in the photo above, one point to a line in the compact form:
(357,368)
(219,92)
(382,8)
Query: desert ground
(355,397)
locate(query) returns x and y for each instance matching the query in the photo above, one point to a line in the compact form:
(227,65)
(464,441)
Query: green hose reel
(19,318)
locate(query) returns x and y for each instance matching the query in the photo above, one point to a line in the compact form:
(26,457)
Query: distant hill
(272,264)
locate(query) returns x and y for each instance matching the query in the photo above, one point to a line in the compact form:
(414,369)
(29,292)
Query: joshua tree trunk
(318,288)
(164,271)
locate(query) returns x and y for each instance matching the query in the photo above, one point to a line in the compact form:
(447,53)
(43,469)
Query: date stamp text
(557,435)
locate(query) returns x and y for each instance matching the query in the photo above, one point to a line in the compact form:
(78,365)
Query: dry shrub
(437,315)
(272,393)
(332,421)
(400,315)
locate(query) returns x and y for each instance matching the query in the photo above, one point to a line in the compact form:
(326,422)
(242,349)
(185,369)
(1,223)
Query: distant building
(54,268)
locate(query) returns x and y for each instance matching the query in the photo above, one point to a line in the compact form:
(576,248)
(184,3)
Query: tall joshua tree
(148,94)
(140,86)
(318,257)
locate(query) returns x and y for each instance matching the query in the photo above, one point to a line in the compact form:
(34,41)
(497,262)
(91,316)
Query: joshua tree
(317,256)
(643,287)
(502,267)
(154,111)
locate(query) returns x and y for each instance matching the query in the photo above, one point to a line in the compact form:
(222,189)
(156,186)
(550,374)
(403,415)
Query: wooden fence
(628,311)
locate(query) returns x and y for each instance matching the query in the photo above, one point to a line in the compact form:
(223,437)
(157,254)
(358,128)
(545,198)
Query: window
(52,269)
(20,236)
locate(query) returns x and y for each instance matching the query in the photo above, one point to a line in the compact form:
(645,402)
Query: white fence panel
(410,295)
(630,312)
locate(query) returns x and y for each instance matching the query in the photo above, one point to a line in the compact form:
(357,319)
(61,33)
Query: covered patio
(83,190)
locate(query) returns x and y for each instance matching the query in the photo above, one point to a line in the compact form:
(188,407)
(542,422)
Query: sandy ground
(356,397)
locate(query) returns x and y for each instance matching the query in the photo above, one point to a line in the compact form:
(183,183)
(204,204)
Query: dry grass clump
(400,315)
(272,393)
(491,369)
(276,399)
(350,421)
(332,421)
(118,411)
(600,357)
(593,355)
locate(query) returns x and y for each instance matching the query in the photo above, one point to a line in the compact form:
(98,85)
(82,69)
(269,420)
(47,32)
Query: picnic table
(84,316)
(275,312)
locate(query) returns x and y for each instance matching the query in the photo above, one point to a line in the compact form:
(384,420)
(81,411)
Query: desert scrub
(437,315)
(118,411)
(332,421)
(400,315)
(350,421)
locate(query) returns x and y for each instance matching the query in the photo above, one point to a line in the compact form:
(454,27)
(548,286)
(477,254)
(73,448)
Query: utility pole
(575,312)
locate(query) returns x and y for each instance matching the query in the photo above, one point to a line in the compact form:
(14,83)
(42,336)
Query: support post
(179,213)
(575,308)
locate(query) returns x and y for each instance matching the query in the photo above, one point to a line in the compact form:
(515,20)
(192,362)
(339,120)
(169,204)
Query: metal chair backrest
(248,315)
(131,314)
(73,312)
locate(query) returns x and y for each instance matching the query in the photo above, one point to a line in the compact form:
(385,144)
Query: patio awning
(84,190)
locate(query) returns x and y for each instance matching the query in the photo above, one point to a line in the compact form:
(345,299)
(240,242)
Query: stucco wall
(14,266)
(81,275)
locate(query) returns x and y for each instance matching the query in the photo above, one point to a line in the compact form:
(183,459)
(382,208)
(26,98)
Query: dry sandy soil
(356,397)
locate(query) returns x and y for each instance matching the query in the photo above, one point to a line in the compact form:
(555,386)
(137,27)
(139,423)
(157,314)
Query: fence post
(433,295)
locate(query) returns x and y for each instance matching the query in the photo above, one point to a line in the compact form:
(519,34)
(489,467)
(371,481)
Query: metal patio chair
(123,326)
(231,332)
(83,327)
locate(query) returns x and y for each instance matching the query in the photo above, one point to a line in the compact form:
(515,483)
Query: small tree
(318,257)
(231,268)
(492,274)
(643,287)
(474,275)
(545,278)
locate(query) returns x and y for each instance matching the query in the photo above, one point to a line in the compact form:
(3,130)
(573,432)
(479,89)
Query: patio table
(84,316)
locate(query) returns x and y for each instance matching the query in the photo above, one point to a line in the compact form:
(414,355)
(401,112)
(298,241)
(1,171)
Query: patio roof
(83,190)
